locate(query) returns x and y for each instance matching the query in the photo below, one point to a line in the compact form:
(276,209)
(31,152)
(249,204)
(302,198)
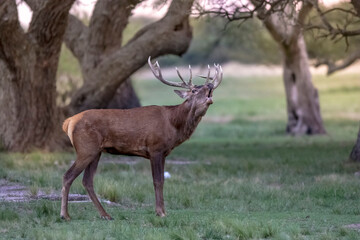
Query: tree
(28,62)
(341,31)
(99,40)
(284,20)
(338,30)
(303,106)
(170,35)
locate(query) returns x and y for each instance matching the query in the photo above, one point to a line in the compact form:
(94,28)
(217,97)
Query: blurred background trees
(111,45)
(341,23)
(284,20)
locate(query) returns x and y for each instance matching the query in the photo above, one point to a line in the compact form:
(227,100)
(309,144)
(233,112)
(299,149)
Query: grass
(248,179)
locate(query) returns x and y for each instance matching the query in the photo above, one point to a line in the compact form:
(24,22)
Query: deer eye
(194,91)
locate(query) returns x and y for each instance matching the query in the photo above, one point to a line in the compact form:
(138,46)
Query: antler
(155,68)
(218,76)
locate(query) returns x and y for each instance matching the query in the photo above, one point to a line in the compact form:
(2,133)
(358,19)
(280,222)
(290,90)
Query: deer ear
(182,94)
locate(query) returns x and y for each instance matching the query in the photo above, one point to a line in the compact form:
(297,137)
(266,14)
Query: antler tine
(213,79)
(208,76)
(190,77)
(158,75)
(178,73)
(219,76)
(216,80)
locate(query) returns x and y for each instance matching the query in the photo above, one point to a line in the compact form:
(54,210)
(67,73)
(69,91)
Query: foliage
(247,180)
(216,41)
(321,45)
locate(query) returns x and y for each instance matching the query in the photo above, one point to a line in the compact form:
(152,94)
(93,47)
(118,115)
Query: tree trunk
(29,113)
(303,108)
(355,153)
(302,98)
(125,97)
(28,62)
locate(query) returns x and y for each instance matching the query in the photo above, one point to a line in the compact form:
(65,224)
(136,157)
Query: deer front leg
(157,169)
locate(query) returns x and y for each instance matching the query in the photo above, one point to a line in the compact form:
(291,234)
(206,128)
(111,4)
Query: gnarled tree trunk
(28,62)
(302,98)
(303,108)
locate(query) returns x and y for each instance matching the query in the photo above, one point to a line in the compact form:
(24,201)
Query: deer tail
(68,128)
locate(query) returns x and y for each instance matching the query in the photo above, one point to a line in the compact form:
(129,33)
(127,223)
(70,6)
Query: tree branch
(272,17)
(331,31)
(356,5)
(170,35)
(304,11)
(35,5)
(110,17)
(48,25)
(333,67)
(75,37)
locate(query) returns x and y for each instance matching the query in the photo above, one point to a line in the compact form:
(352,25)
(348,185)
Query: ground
(240,177)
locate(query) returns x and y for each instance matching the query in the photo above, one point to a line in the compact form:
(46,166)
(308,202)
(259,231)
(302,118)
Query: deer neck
(184,119)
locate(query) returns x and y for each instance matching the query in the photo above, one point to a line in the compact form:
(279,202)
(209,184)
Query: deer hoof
(161,214)
(107,217)
(66,218)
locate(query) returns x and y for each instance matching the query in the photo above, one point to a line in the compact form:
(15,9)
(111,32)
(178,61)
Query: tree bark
(303,108)
(28,62)
(355,153)
(125,97)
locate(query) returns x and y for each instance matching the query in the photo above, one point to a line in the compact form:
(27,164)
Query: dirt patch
(12,192)
(355,226)
(136,160)
(15,192)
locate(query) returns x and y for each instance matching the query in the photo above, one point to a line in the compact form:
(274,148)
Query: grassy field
(246,180)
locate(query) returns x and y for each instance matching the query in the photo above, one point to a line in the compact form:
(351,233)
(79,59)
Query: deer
(151,132)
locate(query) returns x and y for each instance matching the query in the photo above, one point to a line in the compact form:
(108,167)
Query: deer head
(199,97)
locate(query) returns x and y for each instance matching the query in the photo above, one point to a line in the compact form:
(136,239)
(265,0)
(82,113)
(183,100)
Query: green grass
(249,180)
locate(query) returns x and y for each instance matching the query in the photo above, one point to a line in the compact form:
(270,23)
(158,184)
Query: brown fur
(150,132)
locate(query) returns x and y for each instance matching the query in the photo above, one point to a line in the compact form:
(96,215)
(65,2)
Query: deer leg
(88,182)
(73,172)
(157,169)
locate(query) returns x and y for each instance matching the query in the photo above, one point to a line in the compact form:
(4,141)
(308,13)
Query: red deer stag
(150,132)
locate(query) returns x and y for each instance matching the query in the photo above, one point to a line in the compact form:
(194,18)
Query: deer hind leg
(157,169)
(80,164)
(88,182)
